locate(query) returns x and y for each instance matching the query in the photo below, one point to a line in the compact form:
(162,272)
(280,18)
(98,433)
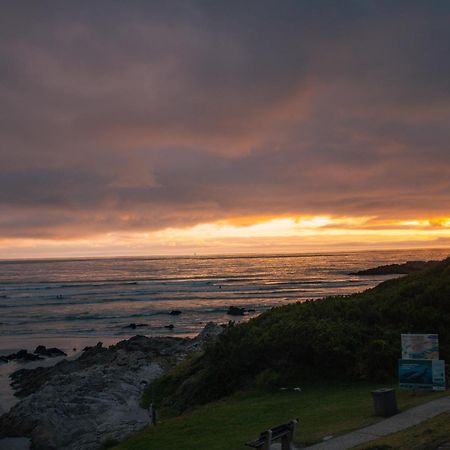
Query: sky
(180,127)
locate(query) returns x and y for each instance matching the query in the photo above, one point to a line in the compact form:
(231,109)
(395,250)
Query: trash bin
(384,402)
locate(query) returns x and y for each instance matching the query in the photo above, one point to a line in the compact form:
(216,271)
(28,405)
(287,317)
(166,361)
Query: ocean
(67,303)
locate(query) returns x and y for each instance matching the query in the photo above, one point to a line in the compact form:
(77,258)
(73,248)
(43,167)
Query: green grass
(228,423)
(425,436)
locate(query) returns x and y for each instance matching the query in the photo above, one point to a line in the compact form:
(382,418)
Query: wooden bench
(284,432)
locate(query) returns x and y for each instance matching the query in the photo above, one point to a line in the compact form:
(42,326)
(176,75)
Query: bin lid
(382,390)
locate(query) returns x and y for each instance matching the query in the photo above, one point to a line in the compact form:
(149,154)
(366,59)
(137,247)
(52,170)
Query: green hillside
(355,337)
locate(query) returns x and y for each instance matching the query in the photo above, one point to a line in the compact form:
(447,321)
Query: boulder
(98,346)
(235,311)
(133,326)
(207,335)
(52,352)
(210,331)
(23,355)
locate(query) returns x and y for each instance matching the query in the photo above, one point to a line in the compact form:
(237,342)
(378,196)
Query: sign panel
(420,346)
(422,374)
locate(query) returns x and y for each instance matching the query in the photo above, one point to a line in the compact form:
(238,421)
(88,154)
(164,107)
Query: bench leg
(268,440)
(286,442)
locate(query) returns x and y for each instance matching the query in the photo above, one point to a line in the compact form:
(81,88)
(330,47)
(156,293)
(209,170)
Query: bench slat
(280,430)
(276,433)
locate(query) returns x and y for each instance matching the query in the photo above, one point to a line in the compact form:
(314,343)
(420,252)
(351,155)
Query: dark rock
(211,330)
(28,381)
(56,352)
(175,312)
(52,352)
(133,326)
(236,311)
(3,359)
(154,346)
(398,269)
(40,350)
(99,345)
(49,352)
(205,337)
(78,404)
(251,310)
(74,349)
(23,355)
(170,327)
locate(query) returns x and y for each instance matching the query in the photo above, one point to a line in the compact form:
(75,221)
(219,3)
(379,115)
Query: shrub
(269,380)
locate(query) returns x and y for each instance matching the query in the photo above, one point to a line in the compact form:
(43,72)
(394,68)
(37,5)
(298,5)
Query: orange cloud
(291,234)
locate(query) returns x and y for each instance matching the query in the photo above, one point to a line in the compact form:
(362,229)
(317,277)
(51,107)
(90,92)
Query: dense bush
(356,337)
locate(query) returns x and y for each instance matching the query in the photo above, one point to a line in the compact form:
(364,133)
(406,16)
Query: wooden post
(152,412)
(293,429)
(288,440)
(268,440)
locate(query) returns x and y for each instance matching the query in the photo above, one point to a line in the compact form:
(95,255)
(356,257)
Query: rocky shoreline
(39,353)
(398,269)
(80,404)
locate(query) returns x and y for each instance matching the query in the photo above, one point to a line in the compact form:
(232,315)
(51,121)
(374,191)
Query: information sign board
(420,346)
(422,374)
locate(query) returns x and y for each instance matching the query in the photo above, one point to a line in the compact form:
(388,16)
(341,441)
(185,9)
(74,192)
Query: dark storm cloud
(140,115)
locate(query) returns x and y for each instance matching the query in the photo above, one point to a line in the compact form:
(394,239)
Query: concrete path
(395,423)
(14,444)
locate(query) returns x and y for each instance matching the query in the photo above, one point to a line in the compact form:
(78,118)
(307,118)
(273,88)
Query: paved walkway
(395,423)
(14,444)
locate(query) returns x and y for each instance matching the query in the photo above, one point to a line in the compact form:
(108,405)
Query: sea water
(76,302)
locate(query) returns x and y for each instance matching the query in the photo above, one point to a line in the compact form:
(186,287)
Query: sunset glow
(284,234)
(300,128)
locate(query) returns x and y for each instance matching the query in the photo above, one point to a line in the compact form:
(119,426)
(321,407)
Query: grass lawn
(229,423)
(425,436)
